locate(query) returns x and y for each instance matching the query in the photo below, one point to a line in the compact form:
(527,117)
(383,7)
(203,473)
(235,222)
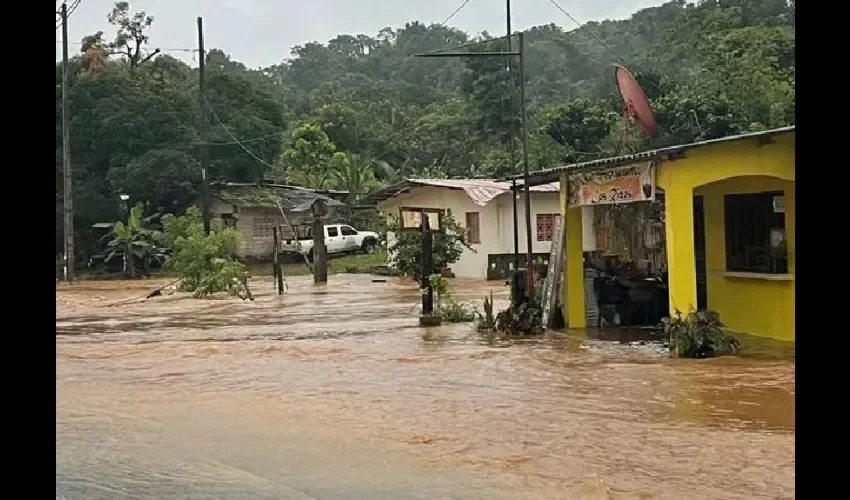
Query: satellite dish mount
(635,105)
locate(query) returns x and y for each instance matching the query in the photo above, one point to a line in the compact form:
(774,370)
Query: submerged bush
(698,335)
(523,318)
(449,310)
(206,263)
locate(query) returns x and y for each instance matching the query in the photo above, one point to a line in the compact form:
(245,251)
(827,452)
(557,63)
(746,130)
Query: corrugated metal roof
(290,198)
(480,191)
(546,176)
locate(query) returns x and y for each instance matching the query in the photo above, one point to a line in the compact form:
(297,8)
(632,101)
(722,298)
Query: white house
(484,207)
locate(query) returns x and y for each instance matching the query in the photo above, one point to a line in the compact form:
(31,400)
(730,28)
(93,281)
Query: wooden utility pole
(68,184)
(278,272)
(320,251)
(202,129)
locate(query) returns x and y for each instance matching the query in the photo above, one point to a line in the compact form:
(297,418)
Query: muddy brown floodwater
(333,393)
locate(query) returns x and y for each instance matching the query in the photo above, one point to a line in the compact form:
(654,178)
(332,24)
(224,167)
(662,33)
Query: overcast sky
(261,32)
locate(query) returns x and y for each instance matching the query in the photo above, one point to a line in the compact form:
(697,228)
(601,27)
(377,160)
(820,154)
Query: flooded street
(333,393)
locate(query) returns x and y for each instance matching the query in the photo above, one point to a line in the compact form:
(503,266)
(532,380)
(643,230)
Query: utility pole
(202,129)
(68,184)
(521,54)
(512,155)
(522,105)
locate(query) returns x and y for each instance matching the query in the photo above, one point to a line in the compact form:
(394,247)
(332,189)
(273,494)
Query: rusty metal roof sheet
(480,191)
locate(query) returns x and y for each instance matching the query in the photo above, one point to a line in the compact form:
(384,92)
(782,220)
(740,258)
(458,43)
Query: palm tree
(132,241)
(354,174)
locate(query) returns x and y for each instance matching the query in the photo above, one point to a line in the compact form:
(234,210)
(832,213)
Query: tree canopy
(360,111)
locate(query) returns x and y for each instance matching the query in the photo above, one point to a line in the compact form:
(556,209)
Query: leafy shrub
(406,250)
(698,335)
(449,310)
(520,319)
(133,241)
(485,321)
(206,263)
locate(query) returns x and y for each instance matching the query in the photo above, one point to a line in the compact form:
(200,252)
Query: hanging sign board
(612,186)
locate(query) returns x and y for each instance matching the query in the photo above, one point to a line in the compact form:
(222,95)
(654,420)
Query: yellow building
(730,224)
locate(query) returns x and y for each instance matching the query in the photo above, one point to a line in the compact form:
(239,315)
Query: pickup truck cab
(339,238)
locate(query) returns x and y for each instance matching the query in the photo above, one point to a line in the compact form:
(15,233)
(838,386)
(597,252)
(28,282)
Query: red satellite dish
(635,104)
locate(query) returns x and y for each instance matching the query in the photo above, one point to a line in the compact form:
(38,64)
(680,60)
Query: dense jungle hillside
(359,111)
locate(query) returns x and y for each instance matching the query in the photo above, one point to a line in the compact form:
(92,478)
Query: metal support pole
(529,259)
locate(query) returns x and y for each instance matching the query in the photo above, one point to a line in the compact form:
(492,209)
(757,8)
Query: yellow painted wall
(573,300)
(754,306)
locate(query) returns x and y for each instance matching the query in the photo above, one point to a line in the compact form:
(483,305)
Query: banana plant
(132,240)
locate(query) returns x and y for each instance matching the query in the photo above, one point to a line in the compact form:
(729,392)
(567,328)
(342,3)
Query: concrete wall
(753,305)
(495,220)
(756,304)
(255,225)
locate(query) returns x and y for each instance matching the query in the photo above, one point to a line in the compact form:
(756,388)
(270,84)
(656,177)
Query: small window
(411,218)
(348,231)
(262,226)
(473,229)
(755,233)
(546,226)
(333,232)
(229,220)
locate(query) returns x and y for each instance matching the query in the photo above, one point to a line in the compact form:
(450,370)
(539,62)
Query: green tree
(405,252)
(133,241)
(206,263)
(354,174)
(307,156)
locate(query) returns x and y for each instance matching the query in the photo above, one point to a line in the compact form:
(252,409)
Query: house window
(755,233)
(229,220)
(262,227)
(546,226)
(411,218)
(473,227)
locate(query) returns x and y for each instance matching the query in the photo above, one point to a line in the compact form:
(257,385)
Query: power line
(589,33)
(235,139)
(174,49)
(456,12)
(71,10)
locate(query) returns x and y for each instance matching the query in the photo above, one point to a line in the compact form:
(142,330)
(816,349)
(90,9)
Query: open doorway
(699,252)
(626,269)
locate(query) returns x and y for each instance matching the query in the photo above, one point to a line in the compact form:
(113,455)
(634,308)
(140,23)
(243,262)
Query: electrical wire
(173,49)
(71,10)
(589,33)
(235,139)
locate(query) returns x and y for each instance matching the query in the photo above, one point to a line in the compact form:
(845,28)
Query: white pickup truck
(339,238)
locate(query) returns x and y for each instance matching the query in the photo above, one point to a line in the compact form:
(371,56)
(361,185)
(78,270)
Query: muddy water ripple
(332,392)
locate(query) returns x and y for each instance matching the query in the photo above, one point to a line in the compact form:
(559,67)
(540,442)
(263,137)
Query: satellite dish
(635,104)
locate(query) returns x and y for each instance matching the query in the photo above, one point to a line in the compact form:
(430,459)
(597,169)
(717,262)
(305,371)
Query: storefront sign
(611,186)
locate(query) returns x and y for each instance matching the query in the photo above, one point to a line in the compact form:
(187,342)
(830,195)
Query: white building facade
(485,209)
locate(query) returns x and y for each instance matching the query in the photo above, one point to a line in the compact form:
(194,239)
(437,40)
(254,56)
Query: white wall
(496,222)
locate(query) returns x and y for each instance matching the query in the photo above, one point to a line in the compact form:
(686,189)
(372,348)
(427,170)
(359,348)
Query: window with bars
(546,226)
(755,233)
(262,227)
